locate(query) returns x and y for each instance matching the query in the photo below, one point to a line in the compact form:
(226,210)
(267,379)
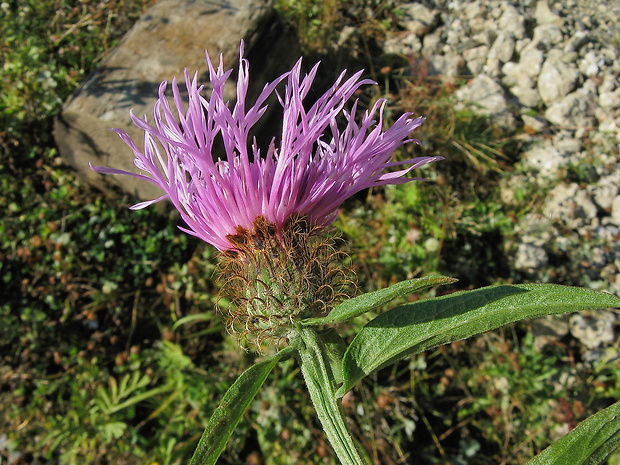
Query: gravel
(552,68)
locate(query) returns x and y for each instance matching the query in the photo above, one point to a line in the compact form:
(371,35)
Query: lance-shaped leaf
(361,304)
(591,442)
(414,328)
(232,407)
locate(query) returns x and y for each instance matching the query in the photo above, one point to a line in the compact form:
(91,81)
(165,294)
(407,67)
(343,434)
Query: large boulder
(171,36)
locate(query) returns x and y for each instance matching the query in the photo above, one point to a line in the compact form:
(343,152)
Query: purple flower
(308,173)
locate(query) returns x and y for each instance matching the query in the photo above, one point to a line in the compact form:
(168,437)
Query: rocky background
(549,70)
(545,71)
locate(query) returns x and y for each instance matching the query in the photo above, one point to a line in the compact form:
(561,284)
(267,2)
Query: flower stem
(321,385)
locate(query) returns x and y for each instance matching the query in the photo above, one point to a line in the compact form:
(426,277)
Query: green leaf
(590,443)
(334,348)
(414,328)
(232,407)
(321,385)
(205,316)
(364,303)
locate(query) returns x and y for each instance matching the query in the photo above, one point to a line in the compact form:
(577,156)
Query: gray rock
(476,58)
(608,233)
(419,19)
(609,100)
(531,61)
(526,95)
(576,110)
(521,44)
(546,160)
(544,15)
(448,67)
(546,36)
(485,37)
(347,36)
(512,21)
(536,227)
(595,330)
(611,52)
(610,128)
(159,46)
(604,194)
(549,329)
(570,57)
(512,74)
(533,123)
(578,40)
(456,33)
(431,44)
(604,356)
(493,68)
(556,80)
(407,44)
(609,84)
(566,144)
(487,97)
(473,10)
(615,210)
(530,257)
(571,205)
(592,63)
(503,48)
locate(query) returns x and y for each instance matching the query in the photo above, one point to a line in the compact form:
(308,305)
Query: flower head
(307,173)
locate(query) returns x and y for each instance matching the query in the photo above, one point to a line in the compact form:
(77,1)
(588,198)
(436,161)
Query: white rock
(609,100)
(473,10)
(576,110)
(566,144)
(493,68)
(431,44)
(534,226)
(615,210)
(476,27)
(448,67)
(556,80)
(511,74)
(476,58)
(521,44)
(485,37)
(547,160)
(512,21)
(605,191)
(609,84)
(544,15)
(503,48)
(577,41)
(533,123)
(600,356)
(571,205)
(418,19)
(527,96)
(530,257)
(549,328)
(456,33)
(531,61)
(488,97)
(594,330)
(547,35)
(592,64)
(407,44)
(346,35)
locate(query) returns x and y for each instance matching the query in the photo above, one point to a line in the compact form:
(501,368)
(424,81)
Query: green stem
(321,385)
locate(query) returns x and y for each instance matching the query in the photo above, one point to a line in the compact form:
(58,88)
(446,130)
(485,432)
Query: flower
(307,173)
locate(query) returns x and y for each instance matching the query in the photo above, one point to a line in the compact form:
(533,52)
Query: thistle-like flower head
(307,172)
